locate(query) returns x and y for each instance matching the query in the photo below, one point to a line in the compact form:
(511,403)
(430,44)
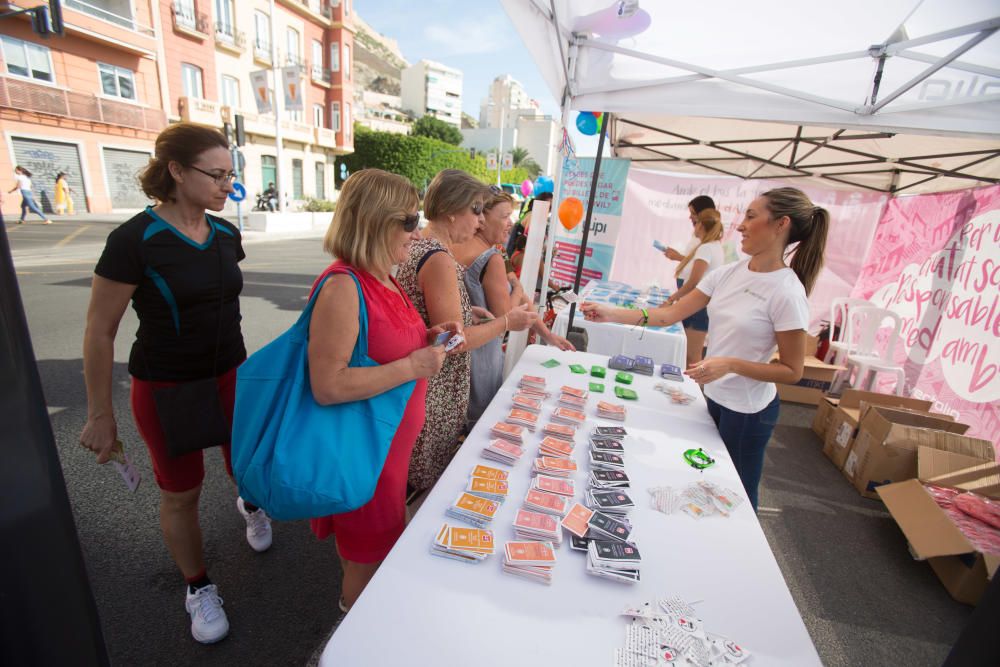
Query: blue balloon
(586,122)
(544,184)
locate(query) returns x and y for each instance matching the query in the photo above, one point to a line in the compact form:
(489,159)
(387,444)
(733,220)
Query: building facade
(507,114)
(92,102)
(430,88)
(505,103)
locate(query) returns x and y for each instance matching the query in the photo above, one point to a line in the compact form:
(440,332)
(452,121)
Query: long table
(423,610)
(665,344)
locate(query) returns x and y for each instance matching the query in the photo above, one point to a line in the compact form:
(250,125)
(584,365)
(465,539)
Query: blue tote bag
(294,457)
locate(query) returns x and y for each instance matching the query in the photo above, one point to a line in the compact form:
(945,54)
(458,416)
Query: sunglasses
(410,222)
(477,208)
(496,190)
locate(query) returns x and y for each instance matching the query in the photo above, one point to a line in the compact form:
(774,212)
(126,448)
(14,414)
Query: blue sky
(475,37)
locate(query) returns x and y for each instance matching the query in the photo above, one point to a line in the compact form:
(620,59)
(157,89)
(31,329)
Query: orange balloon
(570,212)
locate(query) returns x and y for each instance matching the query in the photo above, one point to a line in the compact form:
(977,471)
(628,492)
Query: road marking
(72,236)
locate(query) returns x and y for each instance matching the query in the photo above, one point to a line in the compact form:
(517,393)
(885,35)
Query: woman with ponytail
(755,306)
(705,256)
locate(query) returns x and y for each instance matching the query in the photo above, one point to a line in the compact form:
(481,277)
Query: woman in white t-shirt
(703,256)
(23,178)
(755,306)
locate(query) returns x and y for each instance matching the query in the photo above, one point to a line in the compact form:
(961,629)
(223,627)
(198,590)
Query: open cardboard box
(817,378)
(824,413)
(885,448)
(844,418)
(933,537)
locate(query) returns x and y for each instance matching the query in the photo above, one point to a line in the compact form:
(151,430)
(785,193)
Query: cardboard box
(885,449)
(932,535)
(824,413)
(817,378)
(843,422)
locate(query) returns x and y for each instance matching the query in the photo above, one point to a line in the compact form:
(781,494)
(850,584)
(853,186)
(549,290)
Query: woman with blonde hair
(488,286)
(756,305)
(373,229)
(702,258)
(434,280)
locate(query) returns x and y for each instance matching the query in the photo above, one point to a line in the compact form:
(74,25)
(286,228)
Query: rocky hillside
(377,60)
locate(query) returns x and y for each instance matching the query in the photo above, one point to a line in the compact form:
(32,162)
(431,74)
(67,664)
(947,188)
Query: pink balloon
(526,187)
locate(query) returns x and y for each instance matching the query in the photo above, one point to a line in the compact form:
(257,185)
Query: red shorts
(184,472)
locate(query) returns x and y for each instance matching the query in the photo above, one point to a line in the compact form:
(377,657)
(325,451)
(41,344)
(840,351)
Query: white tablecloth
(662,344)
(424,610)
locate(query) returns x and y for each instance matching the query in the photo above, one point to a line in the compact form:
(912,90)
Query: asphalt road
(281,604)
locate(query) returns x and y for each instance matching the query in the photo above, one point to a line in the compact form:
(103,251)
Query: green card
(551,363)
(597,371)
(578,369)
(597,387)
(626,393)
(623,377)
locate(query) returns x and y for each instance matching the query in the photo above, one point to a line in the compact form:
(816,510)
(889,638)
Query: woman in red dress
(375,222)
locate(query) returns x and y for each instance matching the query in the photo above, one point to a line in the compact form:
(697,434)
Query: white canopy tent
(897,96)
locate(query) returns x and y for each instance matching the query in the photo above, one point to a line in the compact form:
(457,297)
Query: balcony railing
(320,73)
(110,17)
(187,19)
(262,51)
(36,98)
(228,36)
(201,111)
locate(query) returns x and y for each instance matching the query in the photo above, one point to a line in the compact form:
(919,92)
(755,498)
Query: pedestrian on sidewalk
(23,178)
(178,266)
(64,200)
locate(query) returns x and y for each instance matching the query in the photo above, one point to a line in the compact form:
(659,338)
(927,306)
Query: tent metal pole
(989,24)
(940,104)
(795,146)
(590,213)
(873,108)
(725,76)
(754,69)
(955,64)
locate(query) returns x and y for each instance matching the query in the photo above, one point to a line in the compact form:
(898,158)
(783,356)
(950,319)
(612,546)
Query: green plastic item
(597,387)
(623,377)
(597,371)
(551,363)
(626,393)
(578,369)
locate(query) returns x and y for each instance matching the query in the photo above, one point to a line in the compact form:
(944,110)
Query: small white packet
(123,464)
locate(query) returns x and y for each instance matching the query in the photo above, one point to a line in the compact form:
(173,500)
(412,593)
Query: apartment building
(88,103)
(92,102)
(430,88)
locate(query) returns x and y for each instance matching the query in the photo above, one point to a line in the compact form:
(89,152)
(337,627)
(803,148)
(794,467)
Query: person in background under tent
(755,306)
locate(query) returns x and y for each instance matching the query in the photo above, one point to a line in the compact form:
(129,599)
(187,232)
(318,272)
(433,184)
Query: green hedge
(417,158)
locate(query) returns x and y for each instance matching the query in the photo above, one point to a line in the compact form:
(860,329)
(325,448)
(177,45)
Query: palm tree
(523,159)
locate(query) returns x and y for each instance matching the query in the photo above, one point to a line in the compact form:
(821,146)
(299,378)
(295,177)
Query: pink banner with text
(935,262)
(656,208)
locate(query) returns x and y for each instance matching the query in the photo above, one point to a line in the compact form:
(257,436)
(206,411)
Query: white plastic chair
(840,345)
(866,362)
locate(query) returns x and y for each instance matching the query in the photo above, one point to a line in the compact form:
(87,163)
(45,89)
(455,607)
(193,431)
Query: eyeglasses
(477,208)
(222,178)
(410,222)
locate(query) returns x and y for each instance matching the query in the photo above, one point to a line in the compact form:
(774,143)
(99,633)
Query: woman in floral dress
(434,282)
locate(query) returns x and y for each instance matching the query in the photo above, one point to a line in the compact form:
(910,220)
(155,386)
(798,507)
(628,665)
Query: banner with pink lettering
(656,209)
(935,261)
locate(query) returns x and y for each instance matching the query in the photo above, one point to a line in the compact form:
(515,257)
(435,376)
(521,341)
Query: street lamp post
(500,149)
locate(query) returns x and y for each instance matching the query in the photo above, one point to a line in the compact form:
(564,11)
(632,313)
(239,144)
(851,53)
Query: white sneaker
(208,621)
(258,527)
